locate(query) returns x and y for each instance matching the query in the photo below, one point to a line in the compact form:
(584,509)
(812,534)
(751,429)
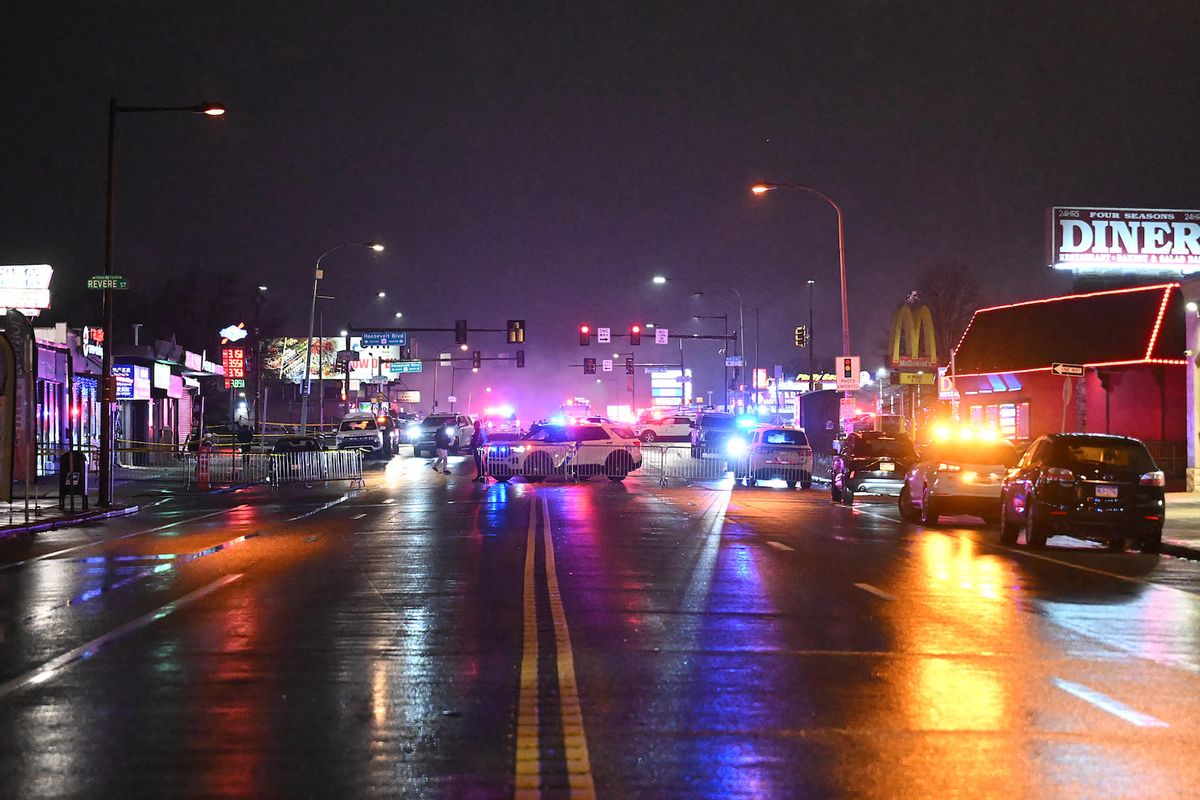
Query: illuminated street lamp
(306,387)
(108,384)
(761,189)
(659,279)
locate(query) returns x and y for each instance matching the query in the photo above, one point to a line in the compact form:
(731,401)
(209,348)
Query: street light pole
(107,384)
(763,188)
(306,386)
(725,349)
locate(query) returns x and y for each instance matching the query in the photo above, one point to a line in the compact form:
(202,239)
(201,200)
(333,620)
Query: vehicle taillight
(944,467)
(1155,478)
(1060,475)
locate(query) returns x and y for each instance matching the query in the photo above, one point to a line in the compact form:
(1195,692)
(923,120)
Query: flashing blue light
(735,446)
(746,422)
(558,419)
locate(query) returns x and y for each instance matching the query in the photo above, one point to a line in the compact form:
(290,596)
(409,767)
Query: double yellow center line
(549,700)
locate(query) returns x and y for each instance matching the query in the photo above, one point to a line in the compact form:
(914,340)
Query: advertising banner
(1124,239)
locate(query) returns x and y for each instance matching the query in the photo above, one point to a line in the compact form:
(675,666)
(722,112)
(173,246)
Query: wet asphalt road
(433,637)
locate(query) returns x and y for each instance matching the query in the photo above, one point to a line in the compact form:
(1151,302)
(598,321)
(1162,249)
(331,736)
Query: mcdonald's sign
(914,345)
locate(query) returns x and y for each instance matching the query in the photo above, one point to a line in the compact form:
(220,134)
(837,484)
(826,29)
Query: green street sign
(401,367)
(108,282)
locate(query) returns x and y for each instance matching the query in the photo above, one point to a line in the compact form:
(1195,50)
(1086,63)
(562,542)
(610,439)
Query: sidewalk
(13,518)
(44,514)
(1181,530)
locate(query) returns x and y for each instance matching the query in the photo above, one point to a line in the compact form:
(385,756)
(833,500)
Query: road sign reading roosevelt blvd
(1068,370)
(108,282)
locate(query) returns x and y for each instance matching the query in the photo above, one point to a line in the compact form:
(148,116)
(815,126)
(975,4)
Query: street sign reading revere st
(108,282)
(1068,370)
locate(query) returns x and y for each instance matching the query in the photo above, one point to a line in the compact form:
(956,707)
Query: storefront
(157,398)
(1100,362)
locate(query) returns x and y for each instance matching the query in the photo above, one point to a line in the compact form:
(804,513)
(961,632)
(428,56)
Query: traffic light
(635,334)
(848,368)
(589,366)
(585,335)
(516,331)
(520,359)
(476,360)
(460,331)
(629,365)
(801,336)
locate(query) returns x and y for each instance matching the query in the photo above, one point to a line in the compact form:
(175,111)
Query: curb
(66,522)
(1180,550)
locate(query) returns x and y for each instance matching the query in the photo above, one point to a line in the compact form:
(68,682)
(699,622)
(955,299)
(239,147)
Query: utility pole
(812,381)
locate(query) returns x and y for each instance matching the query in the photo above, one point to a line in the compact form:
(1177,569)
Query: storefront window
(1011,419)
(49,426)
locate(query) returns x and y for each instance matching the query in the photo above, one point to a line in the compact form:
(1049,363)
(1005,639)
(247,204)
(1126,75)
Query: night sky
(544,161)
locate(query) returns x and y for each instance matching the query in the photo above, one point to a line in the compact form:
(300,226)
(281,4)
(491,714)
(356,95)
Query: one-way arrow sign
(1068,370)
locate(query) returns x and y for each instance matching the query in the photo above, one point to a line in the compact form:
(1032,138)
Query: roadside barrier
(582,461)
(318,466)
(218,468)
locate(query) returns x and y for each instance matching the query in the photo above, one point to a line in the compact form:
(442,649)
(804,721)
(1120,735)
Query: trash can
(72,478)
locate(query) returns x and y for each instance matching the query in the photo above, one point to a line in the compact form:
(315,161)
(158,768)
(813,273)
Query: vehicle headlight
(413,431)
(736,446)
(450,431)
(520,448)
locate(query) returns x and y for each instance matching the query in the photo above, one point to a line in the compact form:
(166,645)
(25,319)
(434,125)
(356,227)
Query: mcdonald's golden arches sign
(914,346)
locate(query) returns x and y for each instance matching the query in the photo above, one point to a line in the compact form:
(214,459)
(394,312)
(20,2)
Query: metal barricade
(681,462)
(535,464)
(219,468)
(318,466)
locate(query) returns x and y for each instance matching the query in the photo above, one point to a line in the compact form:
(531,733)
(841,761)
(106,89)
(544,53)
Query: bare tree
(952,294)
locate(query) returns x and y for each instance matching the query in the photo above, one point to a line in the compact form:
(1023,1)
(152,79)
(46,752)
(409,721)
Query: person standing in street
(441,443)
(478,440)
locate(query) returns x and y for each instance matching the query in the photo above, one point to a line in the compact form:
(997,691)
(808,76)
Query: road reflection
(958,644)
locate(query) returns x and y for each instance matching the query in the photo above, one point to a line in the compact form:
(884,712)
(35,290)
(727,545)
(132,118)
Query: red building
(1130,344)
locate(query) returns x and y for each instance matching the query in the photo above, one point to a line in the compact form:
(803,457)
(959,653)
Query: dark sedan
(1090,486)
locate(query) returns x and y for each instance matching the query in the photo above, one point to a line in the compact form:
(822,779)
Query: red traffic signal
(585,335)
(635,334)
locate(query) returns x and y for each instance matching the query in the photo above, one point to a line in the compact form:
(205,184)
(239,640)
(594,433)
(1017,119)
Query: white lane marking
(780,546)
(358,516)
(321,508)
(1106,703)
(880,593)
(52,667)
(66,550)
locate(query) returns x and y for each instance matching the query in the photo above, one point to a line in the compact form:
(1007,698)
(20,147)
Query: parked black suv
(871,462)
(711,433)
(1091,486)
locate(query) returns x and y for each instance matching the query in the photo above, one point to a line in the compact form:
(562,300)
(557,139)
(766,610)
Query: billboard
(25,286)
(283,359)
(1124,239)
